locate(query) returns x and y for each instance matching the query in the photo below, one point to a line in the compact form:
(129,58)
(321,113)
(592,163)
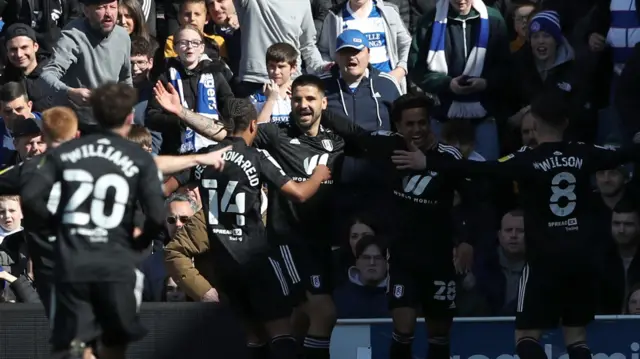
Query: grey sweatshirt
(83,58)
(266,22)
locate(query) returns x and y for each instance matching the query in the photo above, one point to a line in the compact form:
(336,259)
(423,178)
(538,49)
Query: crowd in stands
(484,62)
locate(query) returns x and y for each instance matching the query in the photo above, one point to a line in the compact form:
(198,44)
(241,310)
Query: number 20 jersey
(232,198)
(101,176)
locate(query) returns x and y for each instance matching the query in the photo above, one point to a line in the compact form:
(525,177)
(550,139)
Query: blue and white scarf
(465,106)
(206,105)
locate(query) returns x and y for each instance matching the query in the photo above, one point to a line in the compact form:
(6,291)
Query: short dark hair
(409,101)
(112,103)
(626,205)
(12,90)
(282,52)
(309,80)
(551,109)
(238,114)
(461,131)
(141,47)
(367,241)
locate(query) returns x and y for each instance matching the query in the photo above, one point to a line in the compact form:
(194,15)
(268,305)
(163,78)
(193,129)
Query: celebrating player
(253,280)
(559,282)
(421,271)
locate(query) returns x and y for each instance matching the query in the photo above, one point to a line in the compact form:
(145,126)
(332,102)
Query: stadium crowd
(482,63)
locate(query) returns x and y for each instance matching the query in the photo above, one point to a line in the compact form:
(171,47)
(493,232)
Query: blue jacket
(7,150)
(374,97)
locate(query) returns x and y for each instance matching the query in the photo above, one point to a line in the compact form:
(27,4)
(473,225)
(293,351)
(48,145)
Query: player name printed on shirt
(102,149)
(558,161)
(238,159)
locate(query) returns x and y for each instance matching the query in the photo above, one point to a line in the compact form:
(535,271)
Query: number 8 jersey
(101,176)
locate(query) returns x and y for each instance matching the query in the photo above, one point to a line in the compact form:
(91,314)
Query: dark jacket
(491,282)
(319,10)
(614,282)
(496,60)
(417,9)
(354,300)
(170,126)
(369,107)
(41,99)
(48,30)
(628,93)
(565,77)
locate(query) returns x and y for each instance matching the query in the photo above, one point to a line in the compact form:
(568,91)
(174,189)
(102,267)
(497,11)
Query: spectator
(192,191)
(622,268)
(27,140)
(25,65)
(388,39)
(460,134)
(437,65)
(46,17)
(91,52)
(140,135)
(614,23)
(498,274)
(522,10)
(131,17)
(193,77)
(633,302)
(627,92)
(528,130)
(10,216)
(188,260)
(364,294)
(15,108)
(172,292)
(364,94)
(194,13)
(358,227)
(224,23)
(180,209)
(273,102)
(319,11)
(20,286)
(141,66)
(265,22)
(548,64)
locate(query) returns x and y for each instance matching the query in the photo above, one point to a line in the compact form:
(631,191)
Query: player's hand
(213,159)
(413,159)
(79,97)
(168,98)
(211,296)
(463,258)
(322,172)
(596,42)
(271,90)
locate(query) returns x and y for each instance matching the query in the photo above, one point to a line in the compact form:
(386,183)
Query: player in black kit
(421,271)
(558,284)
(98,289)
(245,270)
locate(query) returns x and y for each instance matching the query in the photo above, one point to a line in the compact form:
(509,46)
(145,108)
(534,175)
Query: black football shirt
(554,182)
(299,154)
(232,198)
(101,177)
(422,201)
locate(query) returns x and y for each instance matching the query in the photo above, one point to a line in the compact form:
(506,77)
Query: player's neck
(121,131)
(313,130)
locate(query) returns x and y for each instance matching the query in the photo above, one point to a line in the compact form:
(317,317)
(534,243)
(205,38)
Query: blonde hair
(59,123)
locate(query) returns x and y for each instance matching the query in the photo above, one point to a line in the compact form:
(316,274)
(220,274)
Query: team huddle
(85,192)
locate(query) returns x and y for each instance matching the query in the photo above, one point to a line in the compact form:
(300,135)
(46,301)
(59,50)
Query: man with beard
(304,242)
(421,273)
(91,52)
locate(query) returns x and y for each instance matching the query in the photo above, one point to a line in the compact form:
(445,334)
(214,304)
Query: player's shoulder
(448,150)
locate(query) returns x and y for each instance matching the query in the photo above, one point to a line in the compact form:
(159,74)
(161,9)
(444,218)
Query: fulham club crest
(328,145)
(398,291)
(315,281)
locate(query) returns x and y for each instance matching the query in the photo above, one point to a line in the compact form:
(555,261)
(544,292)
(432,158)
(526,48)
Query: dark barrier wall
(176,330)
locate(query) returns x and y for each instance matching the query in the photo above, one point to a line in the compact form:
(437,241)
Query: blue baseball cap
(351,39)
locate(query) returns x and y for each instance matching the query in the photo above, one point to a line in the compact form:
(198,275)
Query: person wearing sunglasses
(180,208)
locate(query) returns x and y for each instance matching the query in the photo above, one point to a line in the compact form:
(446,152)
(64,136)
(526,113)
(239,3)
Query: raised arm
(173,164)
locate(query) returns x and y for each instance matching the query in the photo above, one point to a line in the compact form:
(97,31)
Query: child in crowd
(140,135)
(194,13)
(273,102)
(10,216)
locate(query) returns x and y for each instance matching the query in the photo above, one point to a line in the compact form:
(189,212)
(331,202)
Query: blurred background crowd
(484,62)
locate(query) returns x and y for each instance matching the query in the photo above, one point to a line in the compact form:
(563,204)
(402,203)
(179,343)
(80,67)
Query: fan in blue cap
(352,39)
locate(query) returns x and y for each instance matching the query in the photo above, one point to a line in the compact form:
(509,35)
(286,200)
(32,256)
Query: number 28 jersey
(232,198)
(101,177)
